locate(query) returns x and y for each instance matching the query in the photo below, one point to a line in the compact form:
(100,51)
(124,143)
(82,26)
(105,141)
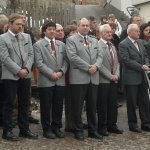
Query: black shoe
(138,130)
(119,105)
(49,135)
(10,136)
(95,135)
(59,133)
(28,134)
(145,128)
(103,133)
(79,136)
(115,130)
(33,120)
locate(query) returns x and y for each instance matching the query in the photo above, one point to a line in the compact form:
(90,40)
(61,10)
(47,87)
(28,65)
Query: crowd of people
(84,64)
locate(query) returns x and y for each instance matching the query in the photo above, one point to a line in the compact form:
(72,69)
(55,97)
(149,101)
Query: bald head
(59,33)
(84,26)
(83,20)
(133,31)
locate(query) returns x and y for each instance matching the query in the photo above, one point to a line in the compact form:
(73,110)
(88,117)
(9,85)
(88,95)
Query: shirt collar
(11,32)
(82,35)
(132,40)
(47,39)
(104,41)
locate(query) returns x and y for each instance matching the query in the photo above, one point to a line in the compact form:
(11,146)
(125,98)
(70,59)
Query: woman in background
(145,36)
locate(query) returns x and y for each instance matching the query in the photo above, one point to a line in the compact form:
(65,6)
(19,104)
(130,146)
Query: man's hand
(145,68)
(22,73)
(114,78)
(59,74)
(54,76)
(92,69)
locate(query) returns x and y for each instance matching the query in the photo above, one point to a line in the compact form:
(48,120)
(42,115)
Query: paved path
(127,141)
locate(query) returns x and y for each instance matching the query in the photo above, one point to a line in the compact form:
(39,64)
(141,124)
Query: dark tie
(85,40)
(111,54)
(52,45)
(16,36)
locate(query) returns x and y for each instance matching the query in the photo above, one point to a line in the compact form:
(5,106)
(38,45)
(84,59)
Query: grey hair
(131,27)
(3,18)
(103,27)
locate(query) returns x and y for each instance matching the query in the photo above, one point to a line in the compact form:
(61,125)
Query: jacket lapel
(48,50)
(57,51)
(82,44)
(14,44)
(132,46)
(106,50)
(21,45)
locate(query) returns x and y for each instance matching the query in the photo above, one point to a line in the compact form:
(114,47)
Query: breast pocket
(94,53)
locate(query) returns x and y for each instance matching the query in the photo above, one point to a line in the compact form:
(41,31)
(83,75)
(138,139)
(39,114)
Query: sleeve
(6,59)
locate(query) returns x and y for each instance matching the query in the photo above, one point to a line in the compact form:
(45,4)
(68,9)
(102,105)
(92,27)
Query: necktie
(85,41)
(53,48)
(136,45)
(52,45)
(111,54)
(17,38)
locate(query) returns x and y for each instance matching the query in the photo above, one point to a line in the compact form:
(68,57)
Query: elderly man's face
(134,33)
(107,34)
(59,32)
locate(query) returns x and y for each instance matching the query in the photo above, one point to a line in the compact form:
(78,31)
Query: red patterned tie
(111,54)
(52,45)
(53,48)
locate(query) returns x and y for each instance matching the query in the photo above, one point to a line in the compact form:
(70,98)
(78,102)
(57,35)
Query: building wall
(136,2)
(144,11)
(122,5)
(2,2)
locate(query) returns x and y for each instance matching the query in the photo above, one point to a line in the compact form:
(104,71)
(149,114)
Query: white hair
(131,27)
(103,27)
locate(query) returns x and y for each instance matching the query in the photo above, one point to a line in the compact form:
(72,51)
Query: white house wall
(122,5)
(136,2)
(145,11)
